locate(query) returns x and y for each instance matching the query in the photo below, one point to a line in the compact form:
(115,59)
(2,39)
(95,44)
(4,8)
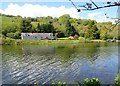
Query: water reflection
(69,63)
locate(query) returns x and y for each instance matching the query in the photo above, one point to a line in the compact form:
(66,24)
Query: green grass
(59,41)
(9,41)
(81,39)
(98,40)
(66,38)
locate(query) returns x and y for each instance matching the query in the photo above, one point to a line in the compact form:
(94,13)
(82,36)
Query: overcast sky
(54,9)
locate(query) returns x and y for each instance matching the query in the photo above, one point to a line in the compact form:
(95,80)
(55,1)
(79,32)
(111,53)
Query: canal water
(70,63)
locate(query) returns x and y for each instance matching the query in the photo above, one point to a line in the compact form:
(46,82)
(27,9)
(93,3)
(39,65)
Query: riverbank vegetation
(88,82)
(9,41)
(59,41)
(62,27)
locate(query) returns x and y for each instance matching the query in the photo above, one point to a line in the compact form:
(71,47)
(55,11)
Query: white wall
(30,36)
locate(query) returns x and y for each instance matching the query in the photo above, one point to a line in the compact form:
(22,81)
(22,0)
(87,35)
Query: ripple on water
(59,64)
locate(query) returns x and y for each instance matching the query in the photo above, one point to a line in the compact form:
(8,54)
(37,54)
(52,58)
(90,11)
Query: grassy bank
(44,42)
(9,41)
(38,42)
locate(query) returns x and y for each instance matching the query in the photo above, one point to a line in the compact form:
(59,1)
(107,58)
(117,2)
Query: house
(37,36)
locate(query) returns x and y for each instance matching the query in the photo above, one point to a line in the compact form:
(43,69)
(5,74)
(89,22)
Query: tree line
(64,26)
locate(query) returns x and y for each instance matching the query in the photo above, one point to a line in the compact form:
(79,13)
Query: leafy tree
(12,26)
(59,34)
(46,28)
(68,28)
(95,32)
(87,33)
(103,34)
(91,23)
(66,25)
(10,35)
(85,22)
(38,28)
(26,25)
(70,31)
(16,35)
(64,17)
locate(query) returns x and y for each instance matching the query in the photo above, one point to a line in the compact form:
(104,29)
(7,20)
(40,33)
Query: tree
(70,31)
(47,28)
(103,34)
(59,34)
(63,26)
(85,22)
(10,35)
(26,25)
(95,32)
(91,23)
(68,27)
(64,17)
(38,28)
(16,35)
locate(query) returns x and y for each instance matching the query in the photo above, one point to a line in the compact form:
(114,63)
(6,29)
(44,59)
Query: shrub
(91,82)
(10,35)
(58,83)
(117,80)
(15,35)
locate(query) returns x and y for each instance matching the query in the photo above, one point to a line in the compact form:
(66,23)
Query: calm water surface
(70,63)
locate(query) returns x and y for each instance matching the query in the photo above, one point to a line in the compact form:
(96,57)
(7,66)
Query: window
(51,35)
(27,35)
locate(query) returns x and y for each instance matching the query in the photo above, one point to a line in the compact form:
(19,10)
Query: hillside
(64,26)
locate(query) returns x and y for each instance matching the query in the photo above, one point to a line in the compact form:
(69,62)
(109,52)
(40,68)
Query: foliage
(117,80)
(58,83)
(6,41)
(64,26)
(87,82)
(10,24)
(26,25)
(13,35)
(91,82)
(103,34)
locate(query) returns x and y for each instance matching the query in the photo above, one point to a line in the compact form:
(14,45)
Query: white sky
(38,10)
(53,0)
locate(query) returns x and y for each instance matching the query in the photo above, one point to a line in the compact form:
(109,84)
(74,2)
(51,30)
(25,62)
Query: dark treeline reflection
(64,52)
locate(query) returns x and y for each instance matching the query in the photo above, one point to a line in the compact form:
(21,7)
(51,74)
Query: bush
(15,35)
(2,36)
(58,83)
(10,35)
(8,41)
(117,80)
(91,82)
